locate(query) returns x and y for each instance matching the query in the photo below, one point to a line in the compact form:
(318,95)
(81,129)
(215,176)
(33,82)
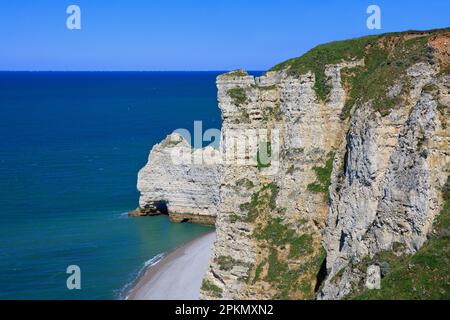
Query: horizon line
(218,70)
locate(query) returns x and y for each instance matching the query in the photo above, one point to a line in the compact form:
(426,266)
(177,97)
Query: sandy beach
(178,275)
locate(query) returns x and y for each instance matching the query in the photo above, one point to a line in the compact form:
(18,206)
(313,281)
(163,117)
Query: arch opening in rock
(161,207)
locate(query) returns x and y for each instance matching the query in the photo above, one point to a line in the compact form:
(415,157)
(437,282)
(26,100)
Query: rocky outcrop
(359,141)
(325,161)
(178,182)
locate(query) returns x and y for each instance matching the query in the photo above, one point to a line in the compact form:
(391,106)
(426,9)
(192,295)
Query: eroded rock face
(343,182)
(349,183)
(373,278)
(390,192)
(176,181)
(267,217)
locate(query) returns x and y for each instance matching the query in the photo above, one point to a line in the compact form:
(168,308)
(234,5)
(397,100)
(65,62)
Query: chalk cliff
(332,174)
(177,181)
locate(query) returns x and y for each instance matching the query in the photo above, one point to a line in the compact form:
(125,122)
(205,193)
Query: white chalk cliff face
(362,166)
(177,181)
(359,142)
(269,224)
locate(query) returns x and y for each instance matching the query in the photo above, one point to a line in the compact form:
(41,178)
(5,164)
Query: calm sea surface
(71,145)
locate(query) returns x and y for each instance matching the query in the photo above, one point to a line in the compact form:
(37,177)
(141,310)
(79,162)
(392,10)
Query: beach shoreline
(178,275)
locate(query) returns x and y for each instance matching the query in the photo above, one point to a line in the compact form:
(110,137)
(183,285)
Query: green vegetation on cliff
(278,234)
(442,222)
(381,79)
(287,260)
(386,58)
(323,176)
(244,182)
(236,73)
(423,275)
(239,98)
(237,95)
(227,263)
(317,58)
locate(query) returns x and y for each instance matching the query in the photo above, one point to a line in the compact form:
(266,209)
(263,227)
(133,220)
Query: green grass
(168,142)
(272,233)
(278,235)
(275,232)
(258,271)
(442,221)
(280,276)
(246,183)
(268,152)
(382,70)
(261,201)
(384,65)
(424,275)
(236,73)
(234,218)
(211,288)
(237,95)
(316,59)
(268,88)
(225,262)
(323,176)
(277,267)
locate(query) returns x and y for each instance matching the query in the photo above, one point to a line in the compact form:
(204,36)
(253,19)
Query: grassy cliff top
(386,58)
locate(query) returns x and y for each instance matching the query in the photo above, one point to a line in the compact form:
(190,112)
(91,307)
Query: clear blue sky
(191,34)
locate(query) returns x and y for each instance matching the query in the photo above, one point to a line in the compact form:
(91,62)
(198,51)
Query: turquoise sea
(71,145)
